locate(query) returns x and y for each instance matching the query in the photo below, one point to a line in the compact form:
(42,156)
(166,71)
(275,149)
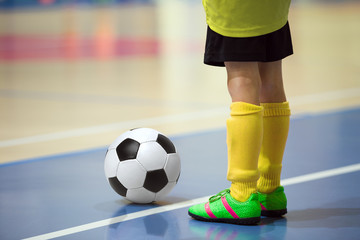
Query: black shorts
(266,48)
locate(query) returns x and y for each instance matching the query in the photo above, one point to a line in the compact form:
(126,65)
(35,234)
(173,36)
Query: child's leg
(272,88)
(241,204)
(276,126)
(244,81)
(244,128)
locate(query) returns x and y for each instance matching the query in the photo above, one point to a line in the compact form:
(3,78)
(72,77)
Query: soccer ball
(142,165)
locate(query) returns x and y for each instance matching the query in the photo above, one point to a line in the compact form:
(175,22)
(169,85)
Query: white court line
(185,117)
(144,213)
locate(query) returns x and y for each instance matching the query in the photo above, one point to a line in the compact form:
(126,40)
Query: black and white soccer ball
(142,165)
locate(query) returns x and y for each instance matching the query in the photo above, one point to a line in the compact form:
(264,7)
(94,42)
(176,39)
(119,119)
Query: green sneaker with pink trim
(224,208)
(273,204)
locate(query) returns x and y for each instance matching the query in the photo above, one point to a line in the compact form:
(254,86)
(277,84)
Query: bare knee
(272,92)
(243,82)
(272,88)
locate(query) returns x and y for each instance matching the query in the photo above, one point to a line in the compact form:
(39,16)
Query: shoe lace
(219,195)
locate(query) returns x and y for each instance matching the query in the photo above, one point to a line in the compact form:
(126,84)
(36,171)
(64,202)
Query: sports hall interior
(76,74)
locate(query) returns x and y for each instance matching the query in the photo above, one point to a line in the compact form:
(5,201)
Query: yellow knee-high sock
(276,128)
(244,138)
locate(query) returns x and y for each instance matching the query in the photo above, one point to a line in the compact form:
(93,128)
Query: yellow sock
(276,127)
(244,138)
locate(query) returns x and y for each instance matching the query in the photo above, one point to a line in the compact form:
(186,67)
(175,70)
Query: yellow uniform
(246,18)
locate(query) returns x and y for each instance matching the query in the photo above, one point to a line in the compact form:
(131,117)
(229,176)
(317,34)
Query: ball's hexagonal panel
(152,156)
(131,174)
(140,195)
(143,134)
(111,163)
(155,180)
(163,192)
(173,167)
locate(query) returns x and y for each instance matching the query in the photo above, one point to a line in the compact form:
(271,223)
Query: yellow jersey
(246,18)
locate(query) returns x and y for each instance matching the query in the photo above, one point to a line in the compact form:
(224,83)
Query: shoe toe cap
(199,210)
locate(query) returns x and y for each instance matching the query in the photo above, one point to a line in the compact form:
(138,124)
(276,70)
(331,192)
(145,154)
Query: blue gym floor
(55,193)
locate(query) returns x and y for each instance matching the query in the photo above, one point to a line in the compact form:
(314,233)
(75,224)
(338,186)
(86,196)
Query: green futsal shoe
(273,204)
(224,208)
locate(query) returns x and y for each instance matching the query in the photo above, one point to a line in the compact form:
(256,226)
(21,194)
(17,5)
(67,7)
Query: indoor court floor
(76,74)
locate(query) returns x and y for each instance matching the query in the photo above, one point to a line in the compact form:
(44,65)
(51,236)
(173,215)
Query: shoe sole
(239,221)
(273,213)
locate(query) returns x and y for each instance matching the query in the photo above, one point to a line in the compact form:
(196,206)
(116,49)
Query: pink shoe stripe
(208,211)
(228,208)
(262,207)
